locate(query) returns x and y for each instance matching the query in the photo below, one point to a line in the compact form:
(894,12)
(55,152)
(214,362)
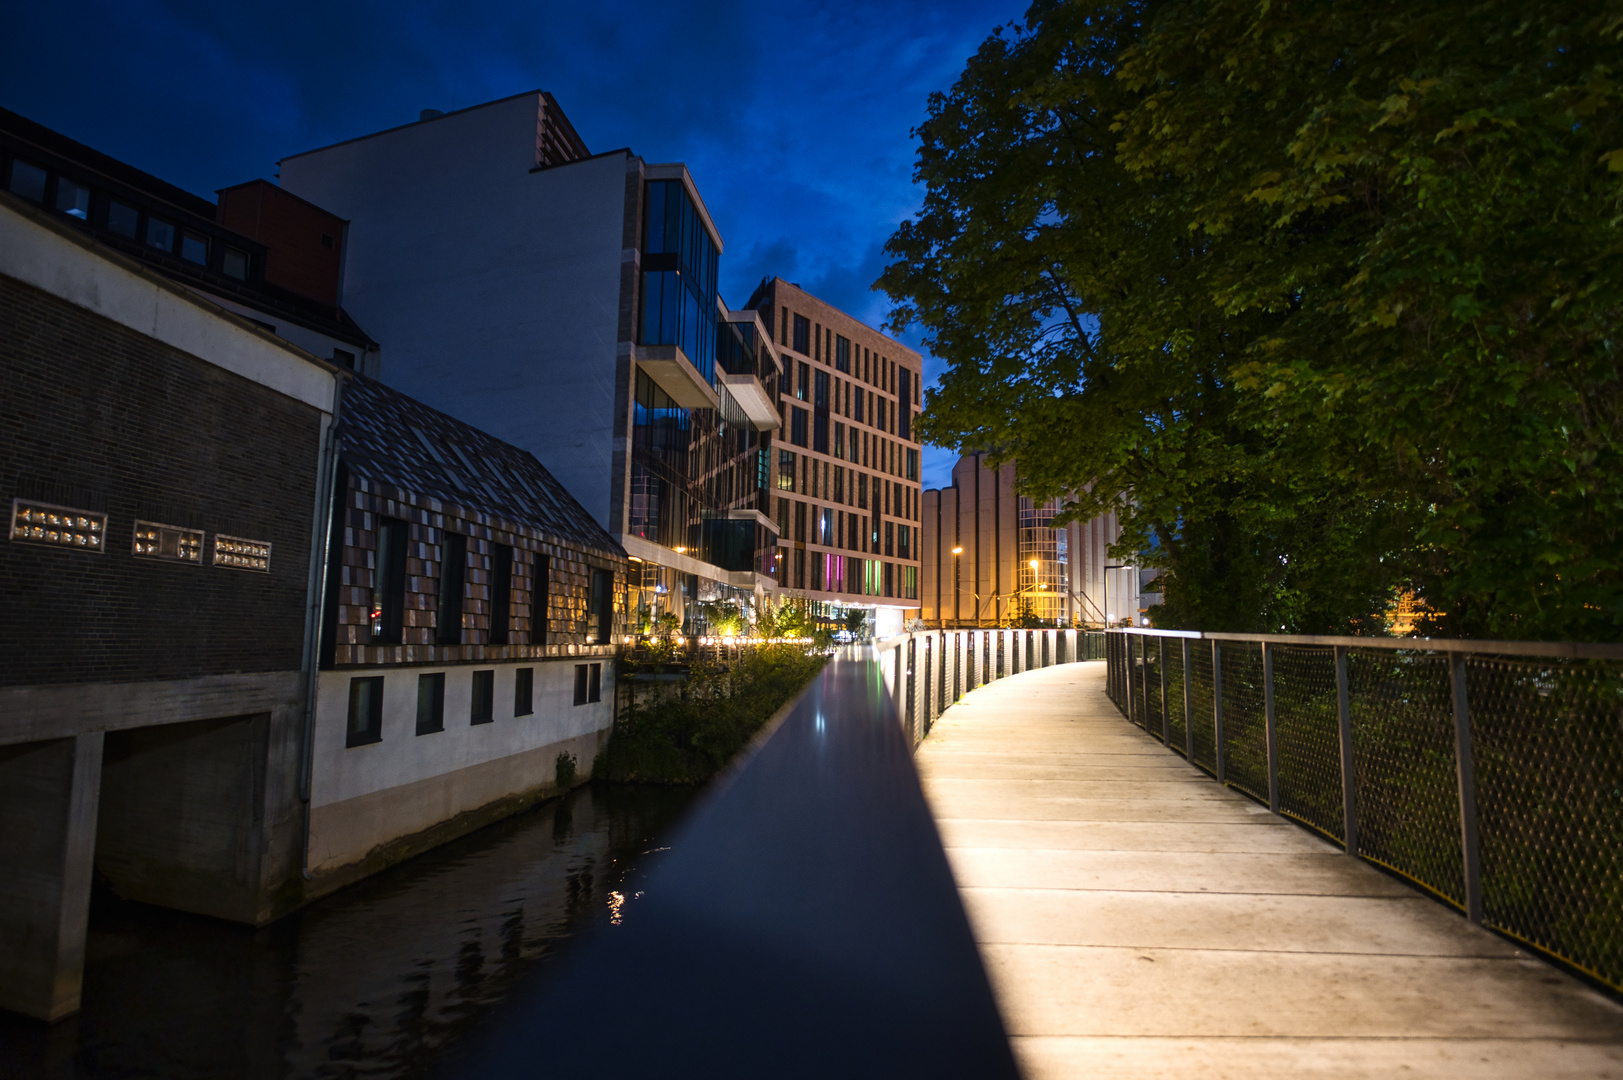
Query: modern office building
(846,471)
(993,557)
(566,302)
(259,252)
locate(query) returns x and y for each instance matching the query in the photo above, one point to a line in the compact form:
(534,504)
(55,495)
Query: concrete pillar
(49,793)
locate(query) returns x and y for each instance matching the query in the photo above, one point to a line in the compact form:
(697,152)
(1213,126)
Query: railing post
(1188,728)
(1349,805)
(1465,767)
(1127,644)
(1166,721)
(1144,682)
(1271,725)
(1217,705)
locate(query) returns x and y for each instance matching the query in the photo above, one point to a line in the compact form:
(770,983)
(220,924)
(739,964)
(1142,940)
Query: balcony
(753,399)
(675,374)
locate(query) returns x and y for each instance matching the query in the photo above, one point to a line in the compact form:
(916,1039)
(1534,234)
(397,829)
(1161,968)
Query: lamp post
(957,585)
(1109,567)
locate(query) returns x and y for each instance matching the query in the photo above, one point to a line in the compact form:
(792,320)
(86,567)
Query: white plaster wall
(494,290)
(403,757)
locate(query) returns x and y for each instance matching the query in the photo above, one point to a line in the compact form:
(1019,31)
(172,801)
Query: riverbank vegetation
(1321,299)
(690,732)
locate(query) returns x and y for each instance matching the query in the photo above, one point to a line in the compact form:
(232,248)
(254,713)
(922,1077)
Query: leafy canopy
(1321,298)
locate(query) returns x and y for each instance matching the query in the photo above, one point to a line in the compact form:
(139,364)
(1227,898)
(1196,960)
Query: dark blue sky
(794,118)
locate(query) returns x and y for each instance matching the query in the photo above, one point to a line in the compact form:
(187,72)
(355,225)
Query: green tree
(1319,297)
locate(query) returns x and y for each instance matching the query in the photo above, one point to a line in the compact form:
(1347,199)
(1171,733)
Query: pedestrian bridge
(976,853)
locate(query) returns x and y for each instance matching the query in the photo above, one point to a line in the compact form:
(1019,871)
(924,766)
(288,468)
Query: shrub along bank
(688,737)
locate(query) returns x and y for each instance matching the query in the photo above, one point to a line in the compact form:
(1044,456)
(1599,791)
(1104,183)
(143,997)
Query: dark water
(379,980)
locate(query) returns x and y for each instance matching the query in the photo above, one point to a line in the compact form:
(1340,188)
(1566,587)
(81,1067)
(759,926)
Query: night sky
(793,118)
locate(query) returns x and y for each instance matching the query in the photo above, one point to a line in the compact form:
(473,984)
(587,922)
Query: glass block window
(58,526)
(168,542)
(237,553)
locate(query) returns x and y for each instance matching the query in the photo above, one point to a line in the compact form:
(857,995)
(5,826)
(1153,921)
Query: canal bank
(379,979)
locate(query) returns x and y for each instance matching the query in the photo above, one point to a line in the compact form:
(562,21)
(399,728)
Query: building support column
(49,793)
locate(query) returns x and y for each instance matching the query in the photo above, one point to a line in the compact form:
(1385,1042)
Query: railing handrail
(1563,650)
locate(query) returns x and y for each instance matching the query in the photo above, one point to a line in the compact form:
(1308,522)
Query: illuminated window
(168,542)
(237,553)
(58,526)
(73,199)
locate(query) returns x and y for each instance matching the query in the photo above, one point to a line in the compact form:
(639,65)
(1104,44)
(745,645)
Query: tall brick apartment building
(846,471)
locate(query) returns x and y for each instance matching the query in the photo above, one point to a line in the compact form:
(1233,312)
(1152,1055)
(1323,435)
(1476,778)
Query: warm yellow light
(957,551)
(1034,564)
(681,551)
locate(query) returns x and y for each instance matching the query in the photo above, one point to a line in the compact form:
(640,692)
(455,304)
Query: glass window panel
(195,248)
(73,199)
(27,180)
(235,264)
(122,219)
(160,234)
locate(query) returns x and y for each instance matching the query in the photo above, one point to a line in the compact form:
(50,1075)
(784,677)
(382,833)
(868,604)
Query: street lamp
(957,587)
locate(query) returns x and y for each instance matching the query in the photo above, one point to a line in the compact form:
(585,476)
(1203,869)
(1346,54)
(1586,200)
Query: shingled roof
(397,440)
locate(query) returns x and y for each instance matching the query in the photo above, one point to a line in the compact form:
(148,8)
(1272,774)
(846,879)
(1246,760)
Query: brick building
(468,635)
(846,471)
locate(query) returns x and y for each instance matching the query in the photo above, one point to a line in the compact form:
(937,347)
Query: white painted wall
(403,756)
(493,289)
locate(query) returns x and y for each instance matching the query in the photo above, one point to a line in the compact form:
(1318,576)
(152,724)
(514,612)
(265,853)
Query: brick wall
(94,413)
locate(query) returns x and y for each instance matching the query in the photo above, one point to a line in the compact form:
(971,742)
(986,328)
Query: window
(365,711)
(327,241)
(912,464)
(431,703)
(800,568)
(786,470)
(890,540)
(501,592)
(839,481)
(820,394)
(601,613)
(524,691)
(820,432)
(234,264)
(482,706)
(588,683)
(453,583)
(195,248)
(27,180)
(803,381)
(842,355)
(904,541)
(389,582)
(800,522)
(802,343)
(122,219)
(160,234)
(825,527)
(783,336)
(797,426)
(839,440)
(540,597)
(344,358)
(858,415)
(862,490)
(73,199)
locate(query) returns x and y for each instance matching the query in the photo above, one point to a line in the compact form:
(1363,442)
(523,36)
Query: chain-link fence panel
(1547,738)
(1309,742)
(1175,721)
(1200,706)
(1408,799)
(1150,695)
(1245,719)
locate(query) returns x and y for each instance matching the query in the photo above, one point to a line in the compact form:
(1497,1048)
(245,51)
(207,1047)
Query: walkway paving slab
(1139,920)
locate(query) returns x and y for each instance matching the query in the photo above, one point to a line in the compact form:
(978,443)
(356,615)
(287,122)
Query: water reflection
(376,981)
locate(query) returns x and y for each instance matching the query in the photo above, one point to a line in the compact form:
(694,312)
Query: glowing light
(1034,564)
(958,551)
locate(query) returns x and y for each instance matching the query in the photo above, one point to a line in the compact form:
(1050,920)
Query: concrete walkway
(1138,920)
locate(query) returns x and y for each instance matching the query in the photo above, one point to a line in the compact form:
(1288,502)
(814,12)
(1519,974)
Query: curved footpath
(1139,920)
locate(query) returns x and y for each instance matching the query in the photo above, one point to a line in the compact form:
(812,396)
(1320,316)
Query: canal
(379,980)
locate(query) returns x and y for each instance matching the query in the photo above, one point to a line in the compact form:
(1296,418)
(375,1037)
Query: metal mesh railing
(1489,773)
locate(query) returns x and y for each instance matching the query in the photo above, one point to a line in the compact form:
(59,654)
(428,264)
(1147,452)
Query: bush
(689,737)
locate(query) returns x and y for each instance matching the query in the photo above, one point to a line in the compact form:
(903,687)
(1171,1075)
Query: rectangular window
(122,219)
(482,707)
(783,517)
(27,180)
(797,426)
(802,343)
(817,572)
(800,522)
(904,395)
(588,683)
(842,355)
(910,583)
(431,703)
(839,484)
(73,199)
(803,381)
(853,540)
(783,335)
(453,584)
(195,249)
(160,234)
(501,593)
(817,344)
(839,440)
(524,691)
(820,433)
(540,599)
(234,264)
(820,394)
(890,579)
(825,527)
(800,568)
(862,490)
(912,464)
(601,614)
(904,541)
(365,711)
(389,582)
(890,539)
(786,378)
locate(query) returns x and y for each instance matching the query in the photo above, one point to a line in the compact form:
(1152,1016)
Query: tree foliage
(1320,298)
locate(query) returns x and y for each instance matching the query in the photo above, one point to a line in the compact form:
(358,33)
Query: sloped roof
(394,439)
